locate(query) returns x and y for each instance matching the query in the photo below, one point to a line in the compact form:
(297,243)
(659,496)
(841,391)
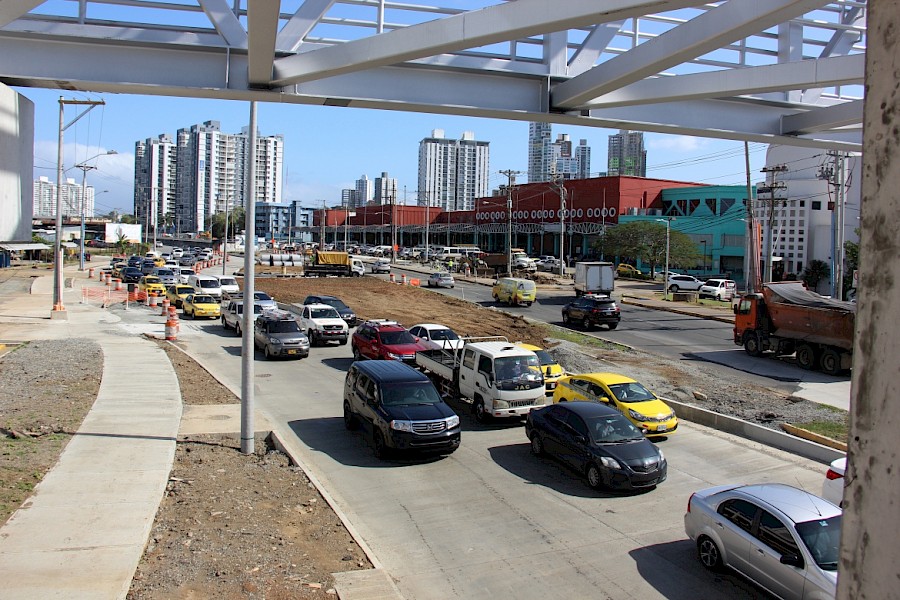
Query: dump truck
(594,278)
(786,318)
(337,264)
(499,379)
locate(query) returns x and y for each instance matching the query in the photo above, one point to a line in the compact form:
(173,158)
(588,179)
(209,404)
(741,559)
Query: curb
(814,437)
(630,300)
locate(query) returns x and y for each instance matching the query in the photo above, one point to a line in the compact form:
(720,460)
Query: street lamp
(84,169)
(668,221)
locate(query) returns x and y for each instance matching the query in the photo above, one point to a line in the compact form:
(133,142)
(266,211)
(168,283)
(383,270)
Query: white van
(205,284)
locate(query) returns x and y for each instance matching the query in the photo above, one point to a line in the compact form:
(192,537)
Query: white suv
(323,323)
(720,289)
(680,283)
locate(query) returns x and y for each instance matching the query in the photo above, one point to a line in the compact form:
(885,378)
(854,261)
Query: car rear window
(207,283)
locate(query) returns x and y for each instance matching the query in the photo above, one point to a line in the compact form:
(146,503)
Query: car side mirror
(792,560)
(604,399)
(580,439)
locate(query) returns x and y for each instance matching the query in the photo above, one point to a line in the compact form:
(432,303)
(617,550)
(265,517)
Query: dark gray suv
(277,333)
(591,310)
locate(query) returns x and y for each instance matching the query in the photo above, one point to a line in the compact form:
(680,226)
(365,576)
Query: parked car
(347,313)
(598,443)
(833,486)
(322,323)
(150,284)
(548,263)
(279,334)
(720,289)
(177,293)
(641,406)
(591,310)
(439,335)
(550,367)
(381,266)
(401,408)
(386,340)
(682,283)
(201,305)
(441,279)
(784,539)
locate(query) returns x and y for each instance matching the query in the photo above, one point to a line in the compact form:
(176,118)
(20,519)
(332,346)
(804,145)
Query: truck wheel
(806,357)
(378,444)
(481,414)
(349,419)
(831,361)
(312,339)
(751,344)
(343,342)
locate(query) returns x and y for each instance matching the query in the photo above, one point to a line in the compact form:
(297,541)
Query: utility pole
(835,175)
(775,186)
(322,229)
(560,186)
(511,177)
(751,262)
(668,221)
(393,224)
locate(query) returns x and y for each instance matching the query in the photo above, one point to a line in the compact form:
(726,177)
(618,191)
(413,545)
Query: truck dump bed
(800,314)
(439,361)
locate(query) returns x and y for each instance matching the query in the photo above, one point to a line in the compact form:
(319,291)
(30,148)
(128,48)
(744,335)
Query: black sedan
(131,274)
(598,442)
(591,310)
(345,311)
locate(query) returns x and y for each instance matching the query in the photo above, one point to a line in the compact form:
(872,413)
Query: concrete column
(871,530)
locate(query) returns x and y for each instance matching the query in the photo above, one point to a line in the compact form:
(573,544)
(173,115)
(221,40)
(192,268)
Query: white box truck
(594,278)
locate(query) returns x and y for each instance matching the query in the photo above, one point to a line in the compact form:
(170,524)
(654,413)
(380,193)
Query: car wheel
(594,476)
(752,345)
(537,444)
(349,419)
(565,317)
(343,342)
(267,352)
(356,354)
(237,328)
(312,339)
(673,289)
(224,324)
(709,554)
(481,414)
(586,323)
(378,444)
(613,326)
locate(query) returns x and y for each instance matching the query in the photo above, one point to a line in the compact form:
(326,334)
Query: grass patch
(561,333)
(829,429)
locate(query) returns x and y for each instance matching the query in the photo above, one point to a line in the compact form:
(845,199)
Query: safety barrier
(403,279)
(414,281)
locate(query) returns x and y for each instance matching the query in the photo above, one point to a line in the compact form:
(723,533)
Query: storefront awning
(18,247)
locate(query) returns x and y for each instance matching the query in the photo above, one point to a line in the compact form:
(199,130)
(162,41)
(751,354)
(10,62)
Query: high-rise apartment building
(365,191)
(44,198)
(385,189)
(154,182)
(548,159)
(626,154)
(201,173)
(453,173)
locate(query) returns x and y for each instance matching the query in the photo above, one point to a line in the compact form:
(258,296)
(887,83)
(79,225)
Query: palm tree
(815,272)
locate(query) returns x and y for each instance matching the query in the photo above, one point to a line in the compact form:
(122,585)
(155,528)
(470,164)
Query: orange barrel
(91,273)
(118,284)
(152,302)
(107,278)
(414,281)
(403,279)
(393,279)
(171,329)
(165,307)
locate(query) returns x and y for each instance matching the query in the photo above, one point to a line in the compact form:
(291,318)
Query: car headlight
(662,456)
(636,415)
(501,404)
(610,463)
(393,356)
(402,425)
(275,341)
(453,422)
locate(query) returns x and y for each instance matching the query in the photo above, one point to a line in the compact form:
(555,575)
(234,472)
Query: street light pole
(668,221)
(84,169)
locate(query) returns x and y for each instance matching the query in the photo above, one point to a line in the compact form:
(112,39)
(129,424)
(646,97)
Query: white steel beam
(262,22)
(308,14)
(225,22)
(713,29)
(826,72)
(823,119)
(594,44)
(499,23)
(10,10)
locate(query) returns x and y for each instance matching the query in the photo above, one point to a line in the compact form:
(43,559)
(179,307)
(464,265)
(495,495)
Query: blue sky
(328,148)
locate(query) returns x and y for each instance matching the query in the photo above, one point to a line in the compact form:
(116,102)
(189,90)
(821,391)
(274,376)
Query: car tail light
(689,502)
(832,474)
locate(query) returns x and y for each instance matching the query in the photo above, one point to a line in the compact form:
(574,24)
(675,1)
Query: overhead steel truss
(772,71)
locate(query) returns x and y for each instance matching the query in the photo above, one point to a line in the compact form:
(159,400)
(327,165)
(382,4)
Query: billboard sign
(116,231)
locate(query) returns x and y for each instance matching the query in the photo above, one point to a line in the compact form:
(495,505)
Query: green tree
(646,241)
(815,272)
(235,223)
(128,219)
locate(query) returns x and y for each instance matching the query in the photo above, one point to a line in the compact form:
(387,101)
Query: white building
(44,198)
(453,173)
(385,189)
(154,181)
(805,196)
(17,152)
(365,191)
(549,160)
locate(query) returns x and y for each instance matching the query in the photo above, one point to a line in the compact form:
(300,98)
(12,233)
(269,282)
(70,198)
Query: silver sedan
(440,279)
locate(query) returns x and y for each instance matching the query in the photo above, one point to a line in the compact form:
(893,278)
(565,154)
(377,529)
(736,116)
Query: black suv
(401,407)
(591,310)
(345,311)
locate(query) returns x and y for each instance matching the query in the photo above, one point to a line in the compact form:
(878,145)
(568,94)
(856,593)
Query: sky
(326,149)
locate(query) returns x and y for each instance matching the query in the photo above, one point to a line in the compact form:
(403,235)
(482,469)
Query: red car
(386,340)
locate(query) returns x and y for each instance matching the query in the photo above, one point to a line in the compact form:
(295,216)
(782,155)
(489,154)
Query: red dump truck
(787,318)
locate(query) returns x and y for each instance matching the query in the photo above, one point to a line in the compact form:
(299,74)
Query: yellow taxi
(626,270)
(177,293)
(201,305)
(152,283)
(551,369)
(650,414)
(159,261)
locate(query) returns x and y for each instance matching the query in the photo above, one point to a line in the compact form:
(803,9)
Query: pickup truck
(233,313)
(499,379)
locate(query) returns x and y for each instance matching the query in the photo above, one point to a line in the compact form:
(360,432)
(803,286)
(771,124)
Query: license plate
(662,428)
(291,351)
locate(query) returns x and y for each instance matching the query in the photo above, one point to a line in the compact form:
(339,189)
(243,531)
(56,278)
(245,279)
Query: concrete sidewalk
(83,531)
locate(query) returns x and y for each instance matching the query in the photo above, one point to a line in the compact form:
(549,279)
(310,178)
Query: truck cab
(501,379)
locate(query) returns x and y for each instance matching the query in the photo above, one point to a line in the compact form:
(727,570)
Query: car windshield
(208,283)
(335,302)
(518,369)
(612,429)
(393,338)
(409,393)
(443,334)
(823,539)
(631,392)
(183,290)
(285,326)
(324,313)
(151,279)
(544,358)
(227,281)
(165,273)
(203,300)
(261,296)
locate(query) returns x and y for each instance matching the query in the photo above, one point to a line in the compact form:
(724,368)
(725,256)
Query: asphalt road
(492,521)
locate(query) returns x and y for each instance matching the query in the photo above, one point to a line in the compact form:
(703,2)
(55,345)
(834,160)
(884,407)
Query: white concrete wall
(16,165)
